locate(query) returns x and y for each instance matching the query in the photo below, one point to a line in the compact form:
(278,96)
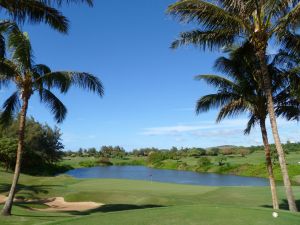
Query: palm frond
(5,28)
(8,72)
(60,2)
(36,12)
(64,80)
(289,111)
(10,107)
(250,124)
(221,83)
(289,41)
(209,15)
(2,46)
(21,48)
(291,17)
(215,39)
(233,109)
(56,106)
(41,69)
(213,101)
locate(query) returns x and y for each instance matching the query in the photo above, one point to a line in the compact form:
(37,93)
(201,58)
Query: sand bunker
(2,199)
(59,204)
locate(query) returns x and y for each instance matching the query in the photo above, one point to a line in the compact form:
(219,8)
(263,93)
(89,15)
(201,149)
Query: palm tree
(225,22)
(29,79)
(239,93)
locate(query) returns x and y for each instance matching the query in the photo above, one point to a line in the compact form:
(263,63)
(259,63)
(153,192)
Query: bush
(204,162)
(213,151)
(156,157)
(221,159)
(88,163)
(104,161)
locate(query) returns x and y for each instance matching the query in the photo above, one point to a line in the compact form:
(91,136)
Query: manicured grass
(147,203)
(188,215)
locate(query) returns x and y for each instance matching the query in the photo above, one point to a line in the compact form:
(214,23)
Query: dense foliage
(43,147)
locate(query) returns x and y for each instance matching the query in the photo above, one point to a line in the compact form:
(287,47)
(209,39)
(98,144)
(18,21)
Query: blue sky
(150,92)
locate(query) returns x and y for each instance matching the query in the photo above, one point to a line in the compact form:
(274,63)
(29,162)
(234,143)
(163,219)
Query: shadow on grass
(284,205)
(103,209)
(114,208)
(29,190)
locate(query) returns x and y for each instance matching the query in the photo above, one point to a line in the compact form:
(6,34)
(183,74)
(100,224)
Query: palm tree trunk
(268,91)
(6,211)
(269,163)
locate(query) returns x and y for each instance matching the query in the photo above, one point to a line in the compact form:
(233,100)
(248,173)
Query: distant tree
(244,152)
(80,152)
(213,151)
(92,151)
(156,157)
(196,152)
(221,159)
(204,162)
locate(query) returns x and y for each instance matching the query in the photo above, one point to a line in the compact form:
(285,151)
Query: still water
(170,176)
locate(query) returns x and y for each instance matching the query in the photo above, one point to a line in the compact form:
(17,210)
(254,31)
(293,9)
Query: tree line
(176,153)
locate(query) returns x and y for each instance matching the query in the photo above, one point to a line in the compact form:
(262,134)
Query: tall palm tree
(241,92)
(29,79)
(225,22)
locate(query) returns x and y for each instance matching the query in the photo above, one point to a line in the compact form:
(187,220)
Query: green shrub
(104,161)
(204,162)
(221,159)
(156,157)
(88,163)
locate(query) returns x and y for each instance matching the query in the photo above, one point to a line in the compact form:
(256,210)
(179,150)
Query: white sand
(59,204)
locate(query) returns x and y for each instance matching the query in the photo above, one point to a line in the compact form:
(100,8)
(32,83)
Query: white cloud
(219,132)
(209,133)
(196,128)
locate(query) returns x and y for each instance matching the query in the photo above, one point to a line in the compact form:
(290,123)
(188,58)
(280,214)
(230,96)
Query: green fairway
(146,203)
(188,215)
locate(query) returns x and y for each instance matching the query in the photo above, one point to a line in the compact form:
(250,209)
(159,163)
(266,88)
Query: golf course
(143,202)
(171,112)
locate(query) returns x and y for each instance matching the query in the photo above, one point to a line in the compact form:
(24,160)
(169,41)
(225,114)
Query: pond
(170,176)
